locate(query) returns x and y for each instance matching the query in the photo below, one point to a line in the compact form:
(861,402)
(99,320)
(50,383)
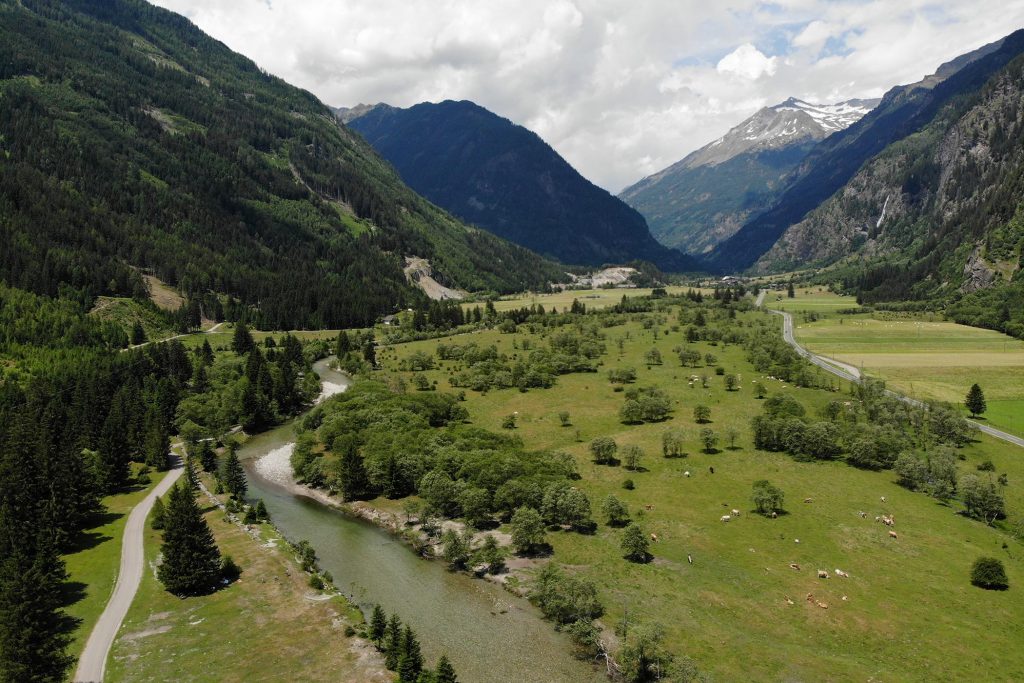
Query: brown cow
(892,534)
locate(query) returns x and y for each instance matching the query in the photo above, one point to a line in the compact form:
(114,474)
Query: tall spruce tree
(378,625)
(191,560)
(233,475)
(410,659)
(975,401)
(445,671)
(393,642)
(241,342)
(352,477)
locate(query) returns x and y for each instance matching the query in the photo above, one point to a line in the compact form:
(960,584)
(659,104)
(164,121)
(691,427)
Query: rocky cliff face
(707,196)
(941,201)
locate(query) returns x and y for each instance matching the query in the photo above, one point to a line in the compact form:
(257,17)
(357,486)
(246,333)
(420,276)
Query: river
(488,634)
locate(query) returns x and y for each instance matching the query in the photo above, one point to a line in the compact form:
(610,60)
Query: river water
(488,634)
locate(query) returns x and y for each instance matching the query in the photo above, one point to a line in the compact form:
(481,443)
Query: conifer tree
(261,511)
(241,342)
(445,672)
(191,560)
(392,642)
(157,443)
(410,659)
(378,625)
(233,476)
(156,517)
(353,479)
(976,401)
(344,344)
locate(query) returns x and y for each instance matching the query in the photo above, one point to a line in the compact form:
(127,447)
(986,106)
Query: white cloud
(747,62)
(620,89)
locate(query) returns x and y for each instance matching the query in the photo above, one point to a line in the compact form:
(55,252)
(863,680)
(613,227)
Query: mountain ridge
(503,177)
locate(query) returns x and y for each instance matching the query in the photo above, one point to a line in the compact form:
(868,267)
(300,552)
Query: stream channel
(489,635)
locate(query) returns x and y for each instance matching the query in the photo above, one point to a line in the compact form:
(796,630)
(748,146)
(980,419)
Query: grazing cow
(863,515)
(796,540)
(822,574)
(789,601)
(808,500)
(711,469)
(892,534)
(794,565)
(689,558)
(726,518)
(810,597)
(822,605)
(648,507)
(686,473)
(883,499)
(774,514)
(735,512)
(840,572)
(845,598)
(654,537)
(877,518)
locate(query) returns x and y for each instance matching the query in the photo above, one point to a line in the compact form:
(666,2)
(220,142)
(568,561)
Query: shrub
(229,569)
(988,573)
(628,485)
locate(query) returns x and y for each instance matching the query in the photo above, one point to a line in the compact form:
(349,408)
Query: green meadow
(725,593)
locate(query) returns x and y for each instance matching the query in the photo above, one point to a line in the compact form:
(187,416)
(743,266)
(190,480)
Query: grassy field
(593,298)
(816,299)
(927,359)
(92,566)
(910,612)
(267,626)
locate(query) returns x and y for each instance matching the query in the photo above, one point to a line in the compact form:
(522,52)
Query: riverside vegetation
(612,519)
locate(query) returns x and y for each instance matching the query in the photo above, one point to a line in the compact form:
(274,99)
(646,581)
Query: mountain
(502,177)
(696,203)
(834,161)
(937,214)
(132,142)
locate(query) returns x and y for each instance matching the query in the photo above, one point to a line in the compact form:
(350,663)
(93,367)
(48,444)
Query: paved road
(93,662)
(852,374)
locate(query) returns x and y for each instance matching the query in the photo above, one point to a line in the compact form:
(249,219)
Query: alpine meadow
(487,342)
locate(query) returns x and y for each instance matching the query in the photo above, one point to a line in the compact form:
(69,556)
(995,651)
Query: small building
(391,320)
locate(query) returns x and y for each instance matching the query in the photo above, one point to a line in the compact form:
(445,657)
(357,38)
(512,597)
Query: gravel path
(93,662)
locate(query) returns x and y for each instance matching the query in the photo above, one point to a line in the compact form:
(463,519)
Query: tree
(731,382)
(989,573)
(653,357)
(233,475)
(672,441)
(261,511)
(378,625)
(156,517)
(344,344)
(767,497)
(207,456)
(760,391)
(563,417)
(603,448)
(410,659)
(631,412)
(138,334)
(975,401)
(709,439)
(702,414)
(490,555)
(476,506)
(241,341)
(445,673)
(635,544)
(981,498)
(456,548)
(632,455)
(731,434)
(643,656)
(353,481)
(912,471)
(392,642)
(527,530)
(615,511)
(191,560)
(509,421)
(789,290)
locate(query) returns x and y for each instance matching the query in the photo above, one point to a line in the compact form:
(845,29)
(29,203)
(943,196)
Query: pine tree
(157,443)
(207,456)
(261,511)
(378,625)
(233,476)
(344,344)
(241,342)
(33,629)
(976,401)
(393,642)
(410,660)
(352,472)
(138,334)
(156,517)
(206,352)
(191,560)
(445,672)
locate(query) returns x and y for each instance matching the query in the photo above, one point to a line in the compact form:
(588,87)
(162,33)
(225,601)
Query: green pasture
(592,298)
(910,612)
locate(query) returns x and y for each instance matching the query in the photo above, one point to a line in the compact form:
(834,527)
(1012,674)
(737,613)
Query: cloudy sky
(621,88)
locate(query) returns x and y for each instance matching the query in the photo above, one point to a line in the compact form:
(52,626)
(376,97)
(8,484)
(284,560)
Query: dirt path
(93,662)
(177,336)
(848,372)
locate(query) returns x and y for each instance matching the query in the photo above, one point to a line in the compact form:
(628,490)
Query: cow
(789,601)
(892,534)
(774,514)
(794,565)
(726,518)
(863,515)
(840,572)
(822,574)
(654,537)
(735,512)
(883,499)
(686,474)
(808,500)
(648,507)
(822,605)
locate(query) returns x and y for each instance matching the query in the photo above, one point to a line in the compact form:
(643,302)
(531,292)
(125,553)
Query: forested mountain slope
(129,139)
(504,178)
(707,196)
(904,110)
(937,214)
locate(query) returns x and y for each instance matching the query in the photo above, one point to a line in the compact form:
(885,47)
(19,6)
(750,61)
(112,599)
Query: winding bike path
(852,374)
(93,661)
